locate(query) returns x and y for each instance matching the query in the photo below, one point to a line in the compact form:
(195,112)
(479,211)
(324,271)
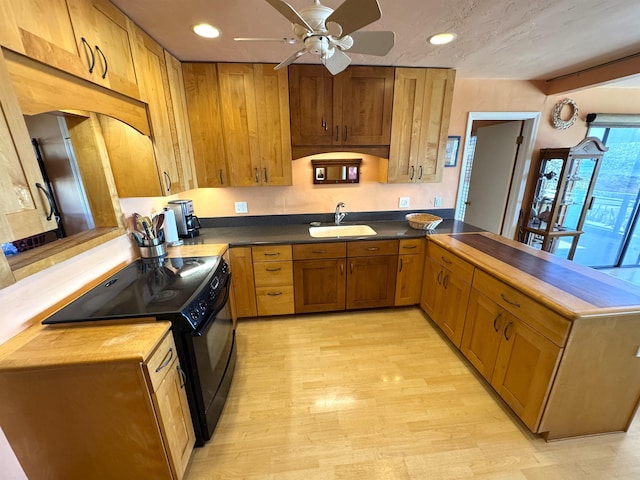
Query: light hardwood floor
(381,395)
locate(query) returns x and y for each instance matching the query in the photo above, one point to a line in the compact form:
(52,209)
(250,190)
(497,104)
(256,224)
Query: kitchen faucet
(339,216)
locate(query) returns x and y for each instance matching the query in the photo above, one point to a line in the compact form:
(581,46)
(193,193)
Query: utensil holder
(151,248)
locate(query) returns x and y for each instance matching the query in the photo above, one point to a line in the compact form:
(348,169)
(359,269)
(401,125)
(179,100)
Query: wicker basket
(423,221)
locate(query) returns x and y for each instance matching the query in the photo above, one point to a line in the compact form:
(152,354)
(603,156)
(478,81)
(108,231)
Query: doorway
(498,197)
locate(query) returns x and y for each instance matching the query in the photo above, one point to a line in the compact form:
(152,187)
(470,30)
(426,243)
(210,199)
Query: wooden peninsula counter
(559,342)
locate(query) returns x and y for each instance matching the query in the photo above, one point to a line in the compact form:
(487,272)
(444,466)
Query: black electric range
(192,293)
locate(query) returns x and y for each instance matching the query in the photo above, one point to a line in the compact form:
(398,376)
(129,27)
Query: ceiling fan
(328,33)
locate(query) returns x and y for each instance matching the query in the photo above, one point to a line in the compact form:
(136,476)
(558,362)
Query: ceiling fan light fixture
(205,30)
(442,38)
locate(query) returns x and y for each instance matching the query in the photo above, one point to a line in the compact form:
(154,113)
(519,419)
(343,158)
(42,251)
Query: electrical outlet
(404,202)
(437,202)
(241,207)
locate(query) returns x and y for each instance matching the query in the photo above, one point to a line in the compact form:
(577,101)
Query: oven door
(212,346)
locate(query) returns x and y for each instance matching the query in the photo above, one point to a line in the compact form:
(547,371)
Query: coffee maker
(187,223)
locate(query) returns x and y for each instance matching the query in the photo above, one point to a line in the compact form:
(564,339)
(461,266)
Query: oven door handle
(224,295)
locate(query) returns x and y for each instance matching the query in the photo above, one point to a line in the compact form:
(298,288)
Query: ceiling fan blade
(288,40)
(289,13)
(355,14)
(337,62)
(372,43)
(290,60)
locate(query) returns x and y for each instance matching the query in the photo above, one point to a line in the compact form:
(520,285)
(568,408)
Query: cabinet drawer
(451,262)
(161,360)
(275,300)
(373,247)
(270,253)
(312,251)
(267,274)
(537,316)
(412,246)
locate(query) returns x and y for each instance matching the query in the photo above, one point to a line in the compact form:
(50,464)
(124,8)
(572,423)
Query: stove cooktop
(144,288)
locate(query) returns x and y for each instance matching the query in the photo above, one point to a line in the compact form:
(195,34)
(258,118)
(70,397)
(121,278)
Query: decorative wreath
(557,110)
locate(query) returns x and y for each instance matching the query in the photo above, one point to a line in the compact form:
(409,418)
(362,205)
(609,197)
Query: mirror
(336,171)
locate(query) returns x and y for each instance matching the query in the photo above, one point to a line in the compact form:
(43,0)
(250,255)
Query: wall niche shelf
(336,171)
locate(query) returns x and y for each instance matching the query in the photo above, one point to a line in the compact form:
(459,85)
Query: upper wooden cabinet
(255,123)
(24,207)
(421,112)
(351,108)
(87,38)
(203,105)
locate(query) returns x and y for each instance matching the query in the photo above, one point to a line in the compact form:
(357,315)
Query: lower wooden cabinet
(371,281)
(243,284)
(273,276)
(409,272)
(445,294)
(96,402)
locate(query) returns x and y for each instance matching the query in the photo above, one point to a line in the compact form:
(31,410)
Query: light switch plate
(241,207)
(404,202)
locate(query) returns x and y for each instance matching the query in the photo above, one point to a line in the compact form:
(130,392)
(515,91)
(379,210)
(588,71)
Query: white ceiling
(499,39)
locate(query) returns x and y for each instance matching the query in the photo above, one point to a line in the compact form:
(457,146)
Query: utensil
(147,228)
(158,221)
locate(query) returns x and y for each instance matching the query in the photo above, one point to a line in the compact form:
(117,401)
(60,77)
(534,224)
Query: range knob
(194,314)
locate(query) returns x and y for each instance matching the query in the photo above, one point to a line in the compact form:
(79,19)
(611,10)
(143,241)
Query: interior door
(493,164)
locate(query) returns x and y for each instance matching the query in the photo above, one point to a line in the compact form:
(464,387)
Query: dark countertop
(237,236)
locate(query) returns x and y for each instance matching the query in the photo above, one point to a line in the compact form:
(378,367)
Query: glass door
(611,236)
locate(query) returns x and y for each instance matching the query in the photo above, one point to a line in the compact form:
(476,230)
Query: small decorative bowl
(423,221)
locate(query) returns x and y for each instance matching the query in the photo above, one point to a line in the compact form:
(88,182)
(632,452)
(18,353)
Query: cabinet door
(364,103)
(23,206)
(242,281)
(108,56)
(205,121)
(42,30)
(319,285)
(525,367)
(150,62)
(421,113)
(430,287)
(272,107)
(240,124)
(371,281)
(183,147)
(175,418)
(311,97)
(409,279)
(452,307)
(482,333)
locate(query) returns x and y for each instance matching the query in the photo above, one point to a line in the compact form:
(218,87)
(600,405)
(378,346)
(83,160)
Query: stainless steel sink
(341,231)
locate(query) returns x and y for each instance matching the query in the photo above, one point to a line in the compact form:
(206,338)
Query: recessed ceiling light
(442,38)
(206,30)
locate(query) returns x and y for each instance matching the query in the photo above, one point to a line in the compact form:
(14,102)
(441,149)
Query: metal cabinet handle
(351,266)
(409,247)
(506,331)
(182,375)
(446,260)
(401,265)
(509,301)
(273,269)
(337,133)
(49,199)
(221,181)
(268,254)
(106,64)
(373,249)
(167,361)
(266,179)
(445,281)
(90,50)
(413,171)
(168,182)
(274,294)
(257,176)
(495,320)
(440,275)
(346,133)
(420,173)
(319,252)
(341,269)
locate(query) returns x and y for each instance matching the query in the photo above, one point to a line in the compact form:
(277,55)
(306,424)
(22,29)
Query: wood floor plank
(380,395)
